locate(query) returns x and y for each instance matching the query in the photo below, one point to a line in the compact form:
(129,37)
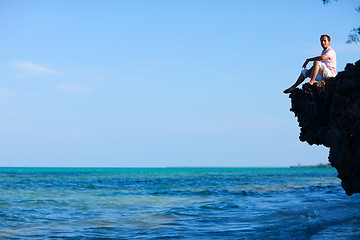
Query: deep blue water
(176,203)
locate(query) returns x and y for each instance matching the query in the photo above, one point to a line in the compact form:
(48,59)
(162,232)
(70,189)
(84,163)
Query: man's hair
(327,36)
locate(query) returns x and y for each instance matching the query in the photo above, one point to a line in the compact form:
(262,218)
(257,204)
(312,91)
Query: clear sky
(152,83)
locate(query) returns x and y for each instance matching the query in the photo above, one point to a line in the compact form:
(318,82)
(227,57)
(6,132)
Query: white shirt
(330,62)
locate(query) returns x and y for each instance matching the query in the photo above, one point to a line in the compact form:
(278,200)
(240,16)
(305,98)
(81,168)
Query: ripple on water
(175,203)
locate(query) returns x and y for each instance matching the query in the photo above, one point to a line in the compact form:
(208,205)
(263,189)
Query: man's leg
(300,79)
(315,72)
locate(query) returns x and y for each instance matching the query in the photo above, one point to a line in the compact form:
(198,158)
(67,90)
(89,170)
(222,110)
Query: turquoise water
(175,203)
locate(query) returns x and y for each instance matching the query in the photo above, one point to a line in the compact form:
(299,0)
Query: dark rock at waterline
(328,113)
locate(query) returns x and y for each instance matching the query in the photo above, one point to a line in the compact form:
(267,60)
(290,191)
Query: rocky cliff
(328,113)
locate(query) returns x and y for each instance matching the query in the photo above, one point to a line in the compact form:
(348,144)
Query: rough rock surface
(328,113)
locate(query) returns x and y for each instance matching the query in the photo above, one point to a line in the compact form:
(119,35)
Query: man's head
(325,41)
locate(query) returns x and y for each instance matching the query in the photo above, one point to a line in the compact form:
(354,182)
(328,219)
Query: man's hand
(311,82)
(305,63)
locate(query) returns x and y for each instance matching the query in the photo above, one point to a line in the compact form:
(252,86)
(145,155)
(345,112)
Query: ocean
(176,203)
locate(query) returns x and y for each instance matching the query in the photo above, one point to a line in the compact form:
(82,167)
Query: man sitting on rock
(324,66)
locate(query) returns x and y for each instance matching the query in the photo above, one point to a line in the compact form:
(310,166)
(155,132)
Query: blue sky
(160,83)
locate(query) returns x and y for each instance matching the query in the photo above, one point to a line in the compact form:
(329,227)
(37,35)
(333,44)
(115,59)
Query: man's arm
(318,58)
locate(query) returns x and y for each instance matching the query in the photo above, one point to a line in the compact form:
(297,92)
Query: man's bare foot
(289,90)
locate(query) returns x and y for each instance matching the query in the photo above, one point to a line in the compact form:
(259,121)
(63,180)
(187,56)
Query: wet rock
(328,113)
